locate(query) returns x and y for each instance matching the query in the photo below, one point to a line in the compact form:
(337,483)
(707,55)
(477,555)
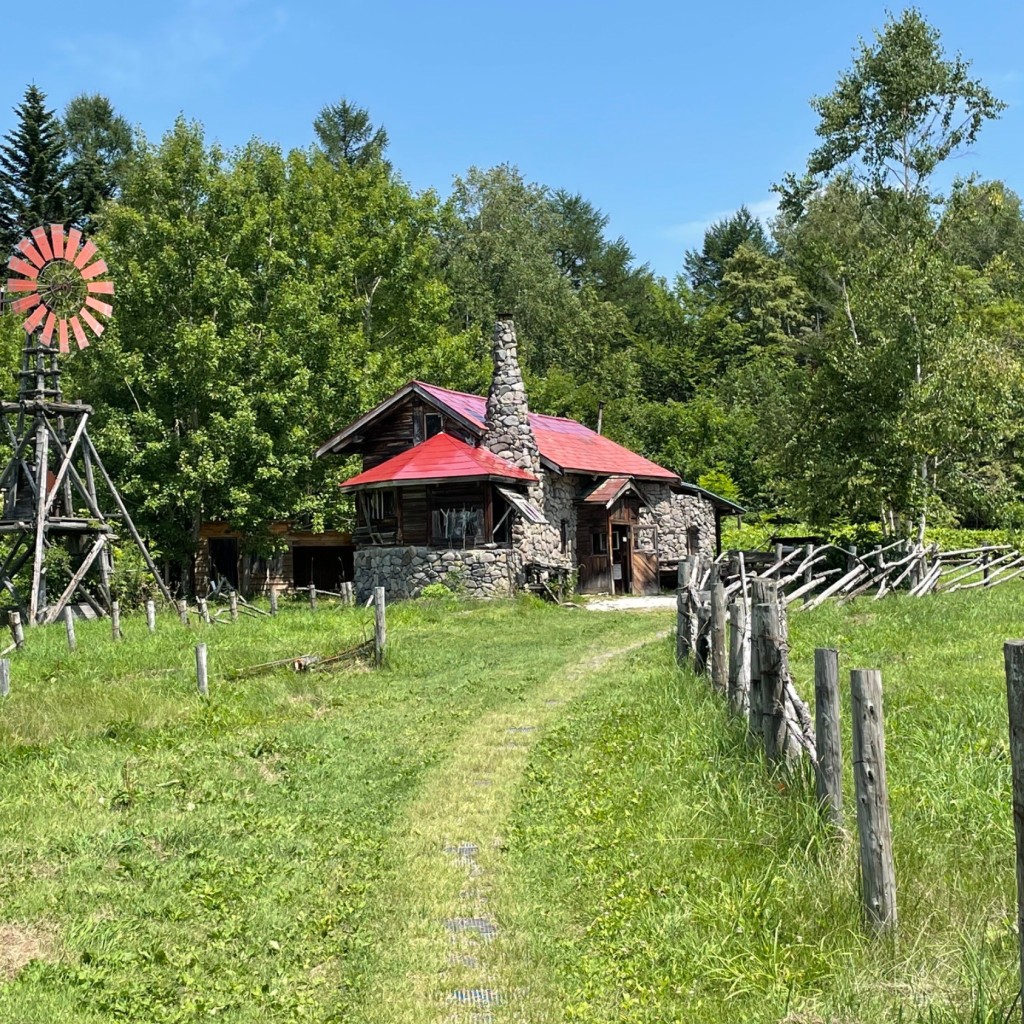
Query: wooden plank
(739,662)
(878,879)
(42,439)
(719,665)
(122,508)
(72,586)
(115,620)
(380,627)
(1013,656)
(828,742)
(69,629)
(202,674)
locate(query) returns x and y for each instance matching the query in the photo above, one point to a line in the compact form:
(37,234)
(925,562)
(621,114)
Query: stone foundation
(404,571)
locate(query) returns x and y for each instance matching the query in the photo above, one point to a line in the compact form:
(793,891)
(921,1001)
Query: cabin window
(434,423)
(692,541)
(381,505)
(599,543)
(457,527)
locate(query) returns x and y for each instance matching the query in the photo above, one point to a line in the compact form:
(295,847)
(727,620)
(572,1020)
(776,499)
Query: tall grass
(662,874)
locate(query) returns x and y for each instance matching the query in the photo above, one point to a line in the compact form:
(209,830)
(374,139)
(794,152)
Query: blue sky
(667,116)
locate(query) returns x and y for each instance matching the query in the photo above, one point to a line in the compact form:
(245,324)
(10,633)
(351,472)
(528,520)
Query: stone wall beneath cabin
(404,571)
(675,514)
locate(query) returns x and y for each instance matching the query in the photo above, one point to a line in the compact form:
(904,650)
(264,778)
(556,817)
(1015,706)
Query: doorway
(622,562)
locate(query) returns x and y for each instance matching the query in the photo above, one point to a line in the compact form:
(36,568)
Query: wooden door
(645,560)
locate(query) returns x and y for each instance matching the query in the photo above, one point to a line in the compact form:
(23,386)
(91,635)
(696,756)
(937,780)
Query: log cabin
(483,495)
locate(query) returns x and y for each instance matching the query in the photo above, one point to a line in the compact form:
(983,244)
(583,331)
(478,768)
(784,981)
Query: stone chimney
(508,433)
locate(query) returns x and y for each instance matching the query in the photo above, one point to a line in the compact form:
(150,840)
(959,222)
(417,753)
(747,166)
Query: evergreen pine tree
(32,171)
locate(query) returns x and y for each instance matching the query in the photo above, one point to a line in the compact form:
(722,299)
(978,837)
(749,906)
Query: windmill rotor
(61,286)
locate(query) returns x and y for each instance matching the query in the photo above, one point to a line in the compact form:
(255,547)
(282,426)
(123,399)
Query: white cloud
(691,232)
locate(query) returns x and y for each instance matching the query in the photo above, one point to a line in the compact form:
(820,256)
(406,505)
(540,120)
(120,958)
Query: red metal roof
(607,491)
(571,446)
(441,457)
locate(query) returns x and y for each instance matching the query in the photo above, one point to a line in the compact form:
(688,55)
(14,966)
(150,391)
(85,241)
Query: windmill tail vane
(60,287)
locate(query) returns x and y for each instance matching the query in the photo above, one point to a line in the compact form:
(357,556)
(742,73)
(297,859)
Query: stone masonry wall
(542,542)
(675,514)
(404,571)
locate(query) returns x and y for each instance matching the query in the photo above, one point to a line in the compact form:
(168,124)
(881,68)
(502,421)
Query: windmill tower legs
(51,498)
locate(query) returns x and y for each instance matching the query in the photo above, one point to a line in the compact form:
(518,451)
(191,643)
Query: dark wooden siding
(401,428)
(595,568)
(414,515)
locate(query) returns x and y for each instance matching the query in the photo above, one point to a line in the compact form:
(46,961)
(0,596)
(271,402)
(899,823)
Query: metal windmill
(56,489)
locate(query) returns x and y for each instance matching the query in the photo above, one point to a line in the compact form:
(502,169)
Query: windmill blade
(42,242)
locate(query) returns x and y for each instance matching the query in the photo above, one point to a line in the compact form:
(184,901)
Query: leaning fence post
(151,616)
(17,629)
(202,679)
(878,877)
(5,677)
(115,620)
(1013,655)
(739,666)
(719,667)
(273,599)
(69,626)
(827,741)
(380,630)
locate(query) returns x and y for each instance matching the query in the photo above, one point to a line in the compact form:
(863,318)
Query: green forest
(855,364)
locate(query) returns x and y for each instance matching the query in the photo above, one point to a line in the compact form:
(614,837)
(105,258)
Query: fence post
(151,616)
(347,597)
(204,610)
(233,605)
(719,666)
(685,571)
(183,611)
(739,665)
(17,629)
(69,626)
(702,644)
(1013,655)
(202,679)
(115,620)
(5,677)
(273,599)
(773,678)
(312,596)
(827,741)
(876,867)
(380,630)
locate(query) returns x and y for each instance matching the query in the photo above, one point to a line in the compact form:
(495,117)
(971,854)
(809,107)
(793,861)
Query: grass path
(446,958)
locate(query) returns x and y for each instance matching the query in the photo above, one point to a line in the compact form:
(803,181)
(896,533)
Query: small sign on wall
(617,572)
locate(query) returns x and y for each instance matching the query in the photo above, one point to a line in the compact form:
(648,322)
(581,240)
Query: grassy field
(663,876)
(530,814)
